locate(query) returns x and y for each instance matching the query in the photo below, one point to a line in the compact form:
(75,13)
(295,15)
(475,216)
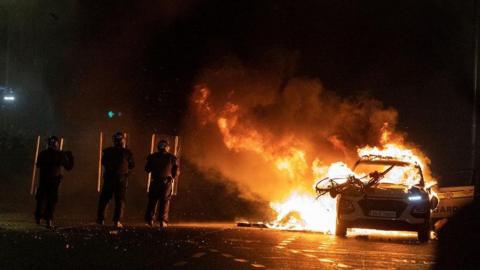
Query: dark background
(73,61)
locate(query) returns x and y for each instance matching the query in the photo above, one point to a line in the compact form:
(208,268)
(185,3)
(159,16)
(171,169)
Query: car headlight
(415,198)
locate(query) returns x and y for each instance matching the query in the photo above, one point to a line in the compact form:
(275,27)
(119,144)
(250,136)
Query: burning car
(383,193)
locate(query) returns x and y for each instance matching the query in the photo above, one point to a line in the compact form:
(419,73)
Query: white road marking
(180,264)
(256,265)
(240,260)
(199,254)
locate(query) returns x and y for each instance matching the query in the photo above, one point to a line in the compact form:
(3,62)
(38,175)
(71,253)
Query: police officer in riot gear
(117,162)
(164,168)
(50,163)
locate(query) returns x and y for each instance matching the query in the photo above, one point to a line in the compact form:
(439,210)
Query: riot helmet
(118,139)
(53,142)
(163,146)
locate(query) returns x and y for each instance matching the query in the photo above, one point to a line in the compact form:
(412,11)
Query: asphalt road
(203,246)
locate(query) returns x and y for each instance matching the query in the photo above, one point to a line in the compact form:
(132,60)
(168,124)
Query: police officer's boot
(163,225)
(150,223)
(49,224)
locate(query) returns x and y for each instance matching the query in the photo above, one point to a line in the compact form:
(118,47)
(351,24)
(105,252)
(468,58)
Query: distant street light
(9,98)
(8,94)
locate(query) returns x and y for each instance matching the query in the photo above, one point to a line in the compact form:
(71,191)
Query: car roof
(383,160)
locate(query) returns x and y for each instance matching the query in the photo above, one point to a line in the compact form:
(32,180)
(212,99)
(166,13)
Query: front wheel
(423,233)
(340,230)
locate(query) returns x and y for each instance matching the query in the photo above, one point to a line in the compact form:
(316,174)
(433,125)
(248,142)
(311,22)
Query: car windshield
(401,173)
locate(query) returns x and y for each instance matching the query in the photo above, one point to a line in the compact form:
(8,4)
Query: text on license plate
(379,213)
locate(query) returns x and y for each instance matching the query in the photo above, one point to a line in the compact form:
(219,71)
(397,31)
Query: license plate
(379,213)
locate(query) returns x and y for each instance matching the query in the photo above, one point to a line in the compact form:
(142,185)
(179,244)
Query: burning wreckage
(374,198)
(374,195)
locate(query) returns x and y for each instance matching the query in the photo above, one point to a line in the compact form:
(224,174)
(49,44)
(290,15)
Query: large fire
(294,157)
(320,214)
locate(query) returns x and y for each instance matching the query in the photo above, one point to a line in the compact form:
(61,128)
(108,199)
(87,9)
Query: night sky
(72,61)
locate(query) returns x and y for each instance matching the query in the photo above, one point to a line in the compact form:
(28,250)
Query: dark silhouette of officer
(163,167)
(117,162)
(458,240)
(50,163)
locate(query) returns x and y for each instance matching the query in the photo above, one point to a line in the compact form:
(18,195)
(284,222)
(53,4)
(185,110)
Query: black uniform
(50,163)
(164,168)
(118,162)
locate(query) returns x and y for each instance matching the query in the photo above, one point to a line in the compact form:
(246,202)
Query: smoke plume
(264,131)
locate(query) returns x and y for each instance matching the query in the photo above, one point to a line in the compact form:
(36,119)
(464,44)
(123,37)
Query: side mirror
(434,202)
